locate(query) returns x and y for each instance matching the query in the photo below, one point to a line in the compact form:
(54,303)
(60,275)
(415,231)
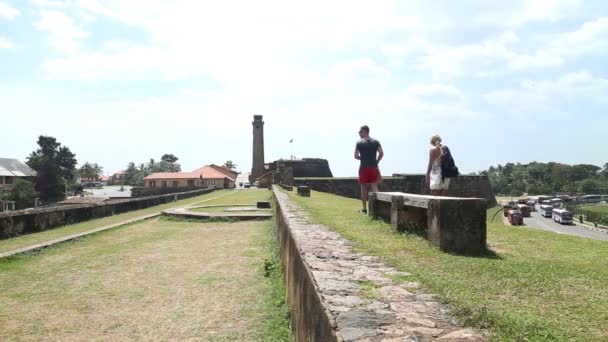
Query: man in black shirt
(369,152)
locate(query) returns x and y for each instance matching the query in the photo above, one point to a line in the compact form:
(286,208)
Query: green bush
(23,193)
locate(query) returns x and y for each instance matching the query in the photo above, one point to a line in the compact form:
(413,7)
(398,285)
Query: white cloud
(516,13)
(65,34)
(8,12)
(5,43)
(552,96)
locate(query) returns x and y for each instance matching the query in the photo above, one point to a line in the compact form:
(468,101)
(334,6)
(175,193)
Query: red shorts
(369,175)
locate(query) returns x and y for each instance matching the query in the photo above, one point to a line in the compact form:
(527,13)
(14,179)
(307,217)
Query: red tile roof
(205,172)
(208,172)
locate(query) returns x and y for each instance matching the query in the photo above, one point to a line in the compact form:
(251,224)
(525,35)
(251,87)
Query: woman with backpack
(441,168)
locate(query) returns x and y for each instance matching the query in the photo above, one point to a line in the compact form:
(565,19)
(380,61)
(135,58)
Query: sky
(129,80)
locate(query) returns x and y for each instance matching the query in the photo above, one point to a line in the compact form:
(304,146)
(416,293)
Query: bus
(515,218)
(546,210)
(592,199)
(562,216)
(556,202)
(524,209)
(532,205)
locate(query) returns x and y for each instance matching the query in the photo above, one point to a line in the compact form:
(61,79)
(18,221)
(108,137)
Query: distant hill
(548,178)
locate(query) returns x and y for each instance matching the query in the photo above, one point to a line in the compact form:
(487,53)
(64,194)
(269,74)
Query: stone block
(458,226)
(263,205)
(304,191)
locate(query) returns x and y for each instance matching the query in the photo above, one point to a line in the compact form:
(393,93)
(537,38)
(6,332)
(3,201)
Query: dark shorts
(369,175)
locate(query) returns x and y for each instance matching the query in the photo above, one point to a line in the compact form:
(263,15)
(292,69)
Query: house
(206,176)
(116,178)
(11,170)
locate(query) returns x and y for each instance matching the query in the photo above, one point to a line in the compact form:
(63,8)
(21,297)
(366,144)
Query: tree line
(57,174)
(548,178)
(134,174)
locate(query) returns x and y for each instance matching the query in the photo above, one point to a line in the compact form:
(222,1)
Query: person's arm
(380,153)
(430,166)
(357,154)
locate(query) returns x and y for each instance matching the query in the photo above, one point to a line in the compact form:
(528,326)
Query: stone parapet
(28,221)
(335,294)
(461,186)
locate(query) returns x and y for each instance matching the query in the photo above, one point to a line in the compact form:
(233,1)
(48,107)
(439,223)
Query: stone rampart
(329,285)
(462,186)
(29,221)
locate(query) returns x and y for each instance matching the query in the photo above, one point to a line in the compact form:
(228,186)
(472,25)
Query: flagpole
(292,157)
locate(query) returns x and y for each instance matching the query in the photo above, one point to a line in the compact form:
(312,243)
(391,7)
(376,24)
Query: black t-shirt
(368,149)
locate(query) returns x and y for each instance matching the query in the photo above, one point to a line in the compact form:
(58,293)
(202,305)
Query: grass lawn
(223,210)
(154,280)
(542,287)
(30,239)
(600,208)
(245,196)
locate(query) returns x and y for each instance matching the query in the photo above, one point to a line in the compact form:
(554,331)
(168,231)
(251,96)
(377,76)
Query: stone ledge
(335,294)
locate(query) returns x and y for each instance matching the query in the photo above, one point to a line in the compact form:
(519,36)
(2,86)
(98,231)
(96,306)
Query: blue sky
(121,81)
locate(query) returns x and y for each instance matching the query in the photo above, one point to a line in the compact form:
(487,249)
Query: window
(2,180)
(163,184)
(191,182)
(153,184)
(8,180)
(175,184)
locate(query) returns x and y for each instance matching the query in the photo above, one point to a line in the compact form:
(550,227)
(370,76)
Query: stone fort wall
(307,167)
(21,222)
(462,186)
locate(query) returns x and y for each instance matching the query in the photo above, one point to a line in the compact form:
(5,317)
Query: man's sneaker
(363,211)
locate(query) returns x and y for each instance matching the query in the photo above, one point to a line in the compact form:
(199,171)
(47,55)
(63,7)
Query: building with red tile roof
(205,176)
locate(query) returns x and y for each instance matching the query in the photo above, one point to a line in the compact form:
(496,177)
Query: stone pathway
(361,292)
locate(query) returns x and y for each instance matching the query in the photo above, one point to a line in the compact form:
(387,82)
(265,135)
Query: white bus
(556,202)
(562,216)
(546,211)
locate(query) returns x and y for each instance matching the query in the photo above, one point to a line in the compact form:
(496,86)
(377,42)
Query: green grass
(156,279)
(30,239)
(541,287)
(600,208)
(275,325)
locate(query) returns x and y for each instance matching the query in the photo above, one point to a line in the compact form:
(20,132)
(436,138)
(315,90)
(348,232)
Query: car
(247,185)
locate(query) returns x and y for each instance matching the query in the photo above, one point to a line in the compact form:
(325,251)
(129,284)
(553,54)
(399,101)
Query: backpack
(448,167)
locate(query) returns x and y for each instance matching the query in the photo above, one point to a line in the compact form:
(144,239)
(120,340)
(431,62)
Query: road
(545,223)
(111,191)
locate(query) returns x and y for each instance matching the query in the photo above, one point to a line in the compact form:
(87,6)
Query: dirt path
(156,280)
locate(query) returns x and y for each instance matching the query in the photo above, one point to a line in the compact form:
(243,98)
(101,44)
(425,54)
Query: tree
(90,172)
(168,163)
(590,186)
(230,165)
(23,193)
(55,166)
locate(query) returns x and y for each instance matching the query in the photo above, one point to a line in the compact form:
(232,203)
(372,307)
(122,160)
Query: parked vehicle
(541,199)
(247,185)
(532,205)
(522,201)
(556,202)
(524,209)
(592,199)
(505,209)
(562,216)
(515,218)
(546,210)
